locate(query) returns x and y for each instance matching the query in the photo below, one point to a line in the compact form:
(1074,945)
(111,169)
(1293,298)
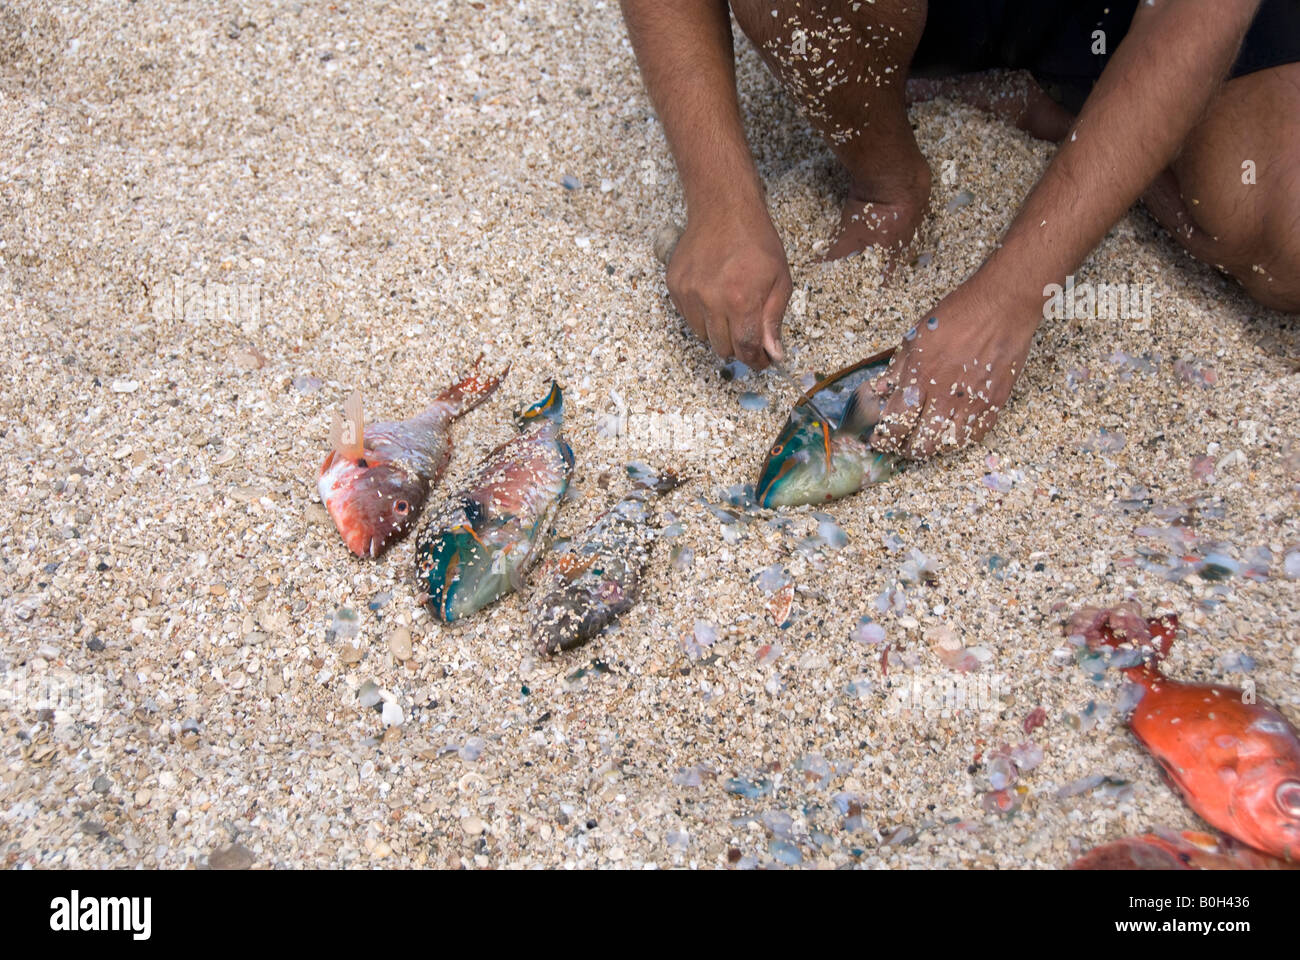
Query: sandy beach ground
(366,196)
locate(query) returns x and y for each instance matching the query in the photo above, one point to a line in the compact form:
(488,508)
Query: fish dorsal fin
(348,432)
(880,359)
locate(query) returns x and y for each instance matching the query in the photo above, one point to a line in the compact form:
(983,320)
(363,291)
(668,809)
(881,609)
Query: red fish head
(371,503)
(1266,807)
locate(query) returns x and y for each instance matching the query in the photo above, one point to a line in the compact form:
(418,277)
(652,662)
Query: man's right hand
(729,278)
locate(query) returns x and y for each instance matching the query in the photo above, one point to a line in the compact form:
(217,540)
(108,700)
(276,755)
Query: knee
(756,21)
(1277,291)
(1251,231)
(1267,260)
(765,21)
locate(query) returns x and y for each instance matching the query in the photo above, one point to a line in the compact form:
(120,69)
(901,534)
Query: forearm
(1154,91)
(684,50)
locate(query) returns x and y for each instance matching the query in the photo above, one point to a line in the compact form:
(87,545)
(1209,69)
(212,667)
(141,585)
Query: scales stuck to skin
(597,577)
(480,542)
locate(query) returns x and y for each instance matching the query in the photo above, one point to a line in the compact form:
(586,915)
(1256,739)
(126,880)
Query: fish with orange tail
(376,477)
(1188,850)
(480,541)
(1236,763)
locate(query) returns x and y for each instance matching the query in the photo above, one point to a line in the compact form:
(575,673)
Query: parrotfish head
(550,407)
(451,575)
(459,573)
(1265,803)
(809,464)
(372,503)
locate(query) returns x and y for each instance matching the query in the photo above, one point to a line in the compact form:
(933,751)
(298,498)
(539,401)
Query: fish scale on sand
(375,479)
(480,541)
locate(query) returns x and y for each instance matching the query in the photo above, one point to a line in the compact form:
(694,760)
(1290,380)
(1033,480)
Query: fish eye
(361,462)
(1288,797)
(401,506)
(777,449)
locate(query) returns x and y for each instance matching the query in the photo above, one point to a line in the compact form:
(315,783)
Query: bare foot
(1010,95)
(883,209)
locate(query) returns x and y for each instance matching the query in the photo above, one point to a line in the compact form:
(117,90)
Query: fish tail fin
(467,394)
(1123,624)
(348,432)
(1111,626)
(550,407)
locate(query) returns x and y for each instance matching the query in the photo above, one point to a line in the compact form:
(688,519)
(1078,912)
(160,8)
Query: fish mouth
(372,504)
(361,540)
(804,438)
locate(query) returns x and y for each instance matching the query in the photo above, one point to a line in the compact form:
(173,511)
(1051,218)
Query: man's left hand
(953,372)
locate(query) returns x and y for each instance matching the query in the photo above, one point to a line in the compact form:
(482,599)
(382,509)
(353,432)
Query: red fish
(1189,850)
(376,478)
(1237,763)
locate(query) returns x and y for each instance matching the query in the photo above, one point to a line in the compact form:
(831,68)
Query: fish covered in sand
(822,452)
(376,477)
(478,544)
(597,576)
(1185,850)
(1235,761)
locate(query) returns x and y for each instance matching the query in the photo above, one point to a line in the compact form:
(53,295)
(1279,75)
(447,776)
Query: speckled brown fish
(596,577)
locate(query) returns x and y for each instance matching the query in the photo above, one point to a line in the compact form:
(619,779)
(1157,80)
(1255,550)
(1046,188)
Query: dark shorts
(1054,40)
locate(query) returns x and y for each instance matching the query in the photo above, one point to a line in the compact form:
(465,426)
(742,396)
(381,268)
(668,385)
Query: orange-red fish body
(375,481)
(1188,850)
(1236,763)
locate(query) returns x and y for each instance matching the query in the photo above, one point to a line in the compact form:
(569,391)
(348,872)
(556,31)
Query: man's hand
(730,280)
(728,275)
(950,378)
(953,372)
